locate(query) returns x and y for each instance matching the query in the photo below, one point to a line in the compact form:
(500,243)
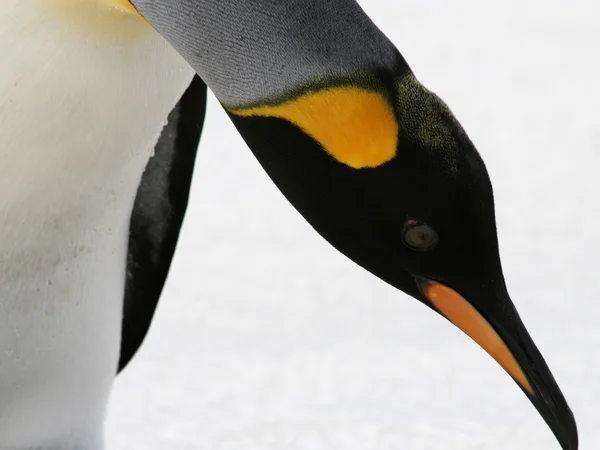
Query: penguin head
(420,216)
(382,169)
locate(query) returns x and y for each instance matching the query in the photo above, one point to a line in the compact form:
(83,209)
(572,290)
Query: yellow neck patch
(111,18)
(355,126)
(123,5)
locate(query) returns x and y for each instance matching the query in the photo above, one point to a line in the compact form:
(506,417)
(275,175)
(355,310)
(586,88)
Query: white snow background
(267,338)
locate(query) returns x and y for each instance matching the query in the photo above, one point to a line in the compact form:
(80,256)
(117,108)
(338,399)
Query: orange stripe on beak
(462,314)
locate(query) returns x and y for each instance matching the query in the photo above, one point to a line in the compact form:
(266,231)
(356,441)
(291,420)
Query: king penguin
(101,110)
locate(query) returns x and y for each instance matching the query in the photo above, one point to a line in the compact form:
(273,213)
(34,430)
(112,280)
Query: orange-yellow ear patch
(462,314)
(355,126)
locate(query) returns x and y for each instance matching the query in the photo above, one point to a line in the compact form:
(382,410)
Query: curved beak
(503,336)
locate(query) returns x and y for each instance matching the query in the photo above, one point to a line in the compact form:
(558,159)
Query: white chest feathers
(84,90)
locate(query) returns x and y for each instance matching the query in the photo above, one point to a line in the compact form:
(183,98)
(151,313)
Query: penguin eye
(419,236)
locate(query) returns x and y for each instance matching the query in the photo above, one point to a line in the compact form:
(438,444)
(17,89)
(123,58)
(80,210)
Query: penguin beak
(514,350)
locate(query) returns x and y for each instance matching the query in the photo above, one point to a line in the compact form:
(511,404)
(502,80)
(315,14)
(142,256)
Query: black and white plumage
(374,161)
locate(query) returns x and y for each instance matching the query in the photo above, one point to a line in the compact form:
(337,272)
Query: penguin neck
(252,52)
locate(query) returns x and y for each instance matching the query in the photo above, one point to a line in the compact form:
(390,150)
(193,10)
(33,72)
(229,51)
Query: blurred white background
(267,338)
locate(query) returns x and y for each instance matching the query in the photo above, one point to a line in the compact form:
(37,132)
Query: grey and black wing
(157,216)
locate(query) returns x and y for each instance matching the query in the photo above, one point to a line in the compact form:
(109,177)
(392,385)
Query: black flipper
(157,216)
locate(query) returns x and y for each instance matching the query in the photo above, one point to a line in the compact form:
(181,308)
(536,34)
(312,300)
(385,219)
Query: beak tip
(571,444)
(527,367)
(573,440)
(569,438)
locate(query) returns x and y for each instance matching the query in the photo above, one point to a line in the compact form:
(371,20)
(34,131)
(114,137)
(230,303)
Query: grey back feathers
(249,51)
(158,213)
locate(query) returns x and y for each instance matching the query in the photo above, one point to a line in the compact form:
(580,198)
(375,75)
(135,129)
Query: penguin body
(81,114)
(375,162)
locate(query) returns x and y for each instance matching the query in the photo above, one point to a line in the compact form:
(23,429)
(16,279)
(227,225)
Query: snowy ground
(266,338)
